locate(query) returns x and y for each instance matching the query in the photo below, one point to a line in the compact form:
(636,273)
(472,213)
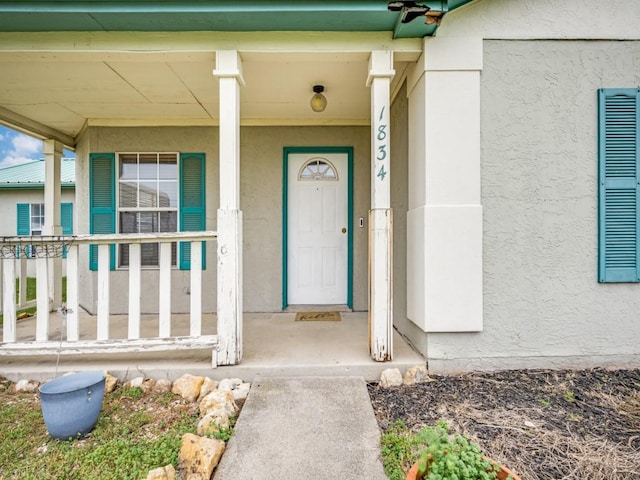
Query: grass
(136,432)
(31,295)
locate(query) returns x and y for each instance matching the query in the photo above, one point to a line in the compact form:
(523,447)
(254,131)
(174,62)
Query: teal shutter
(192,202)
(66,218)
(102,202)
(24,219)
(618,192)
(23,224)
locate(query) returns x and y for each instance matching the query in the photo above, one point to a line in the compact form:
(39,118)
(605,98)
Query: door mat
(318,317)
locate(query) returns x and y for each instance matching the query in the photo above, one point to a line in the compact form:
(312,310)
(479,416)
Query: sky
(17,148)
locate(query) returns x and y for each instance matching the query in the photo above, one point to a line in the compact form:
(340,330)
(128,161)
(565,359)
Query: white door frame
(285,210)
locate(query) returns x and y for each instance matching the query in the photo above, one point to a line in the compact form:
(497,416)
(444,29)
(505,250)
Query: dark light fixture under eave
(318,101)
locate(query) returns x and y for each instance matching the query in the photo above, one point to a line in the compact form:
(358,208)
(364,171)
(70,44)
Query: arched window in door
(318,168)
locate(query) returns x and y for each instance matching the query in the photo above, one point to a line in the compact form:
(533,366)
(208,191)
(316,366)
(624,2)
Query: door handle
(344,230)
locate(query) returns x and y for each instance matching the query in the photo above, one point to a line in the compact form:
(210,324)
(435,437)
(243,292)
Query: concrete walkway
(304,428)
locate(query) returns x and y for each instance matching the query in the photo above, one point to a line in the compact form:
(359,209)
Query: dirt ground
(541,424)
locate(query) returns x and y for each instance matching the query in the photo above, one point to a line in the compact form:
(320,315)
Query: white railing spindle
(9,300)
(164,291)
(73,303)
(103,291)
(195,288)
(42,299)
(135,277)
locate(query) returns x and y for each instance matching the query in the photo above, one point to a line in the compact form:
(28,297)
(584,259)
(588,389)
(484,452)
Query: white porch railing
(13,249)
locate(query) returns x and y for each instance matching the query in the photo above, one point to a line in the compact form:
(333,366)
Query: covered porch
(231,102)
(275,344)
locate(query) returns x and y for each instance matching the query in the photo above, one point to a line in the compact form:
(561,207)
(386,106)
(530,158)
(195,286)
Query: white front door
(317,241)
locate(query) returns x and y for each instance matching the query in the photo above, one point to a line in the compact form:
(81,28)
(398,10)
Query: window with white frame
(147,200)
(36,220)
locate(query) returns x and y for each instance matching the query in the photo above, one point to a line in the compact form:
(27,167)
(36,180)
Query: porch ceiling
(66,64)
(61,91)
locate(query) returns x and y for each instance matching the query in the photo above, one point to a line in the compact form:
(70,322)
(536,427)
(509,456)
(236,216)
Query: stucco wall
(9,198)
(543,305)
(261,202)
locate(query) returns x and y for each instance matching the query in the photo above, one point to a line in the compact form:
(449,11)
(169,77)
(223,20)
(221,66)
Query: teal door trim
(285,206)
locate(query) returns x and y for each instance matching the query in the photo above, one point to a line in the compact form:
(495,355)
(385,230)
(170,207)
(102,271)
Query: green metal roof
(209,15)
(31,174)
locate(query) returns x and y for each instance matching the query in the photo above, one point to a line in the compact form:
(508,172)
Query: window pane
(128,194)
(128,167)
(168,221)
(148,166)
(128,222)
(148,194)
(168,166)
(149,254)
(168,194)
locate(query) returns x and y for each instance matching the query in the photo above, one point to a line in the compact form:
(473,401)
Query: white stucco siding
(547,19)
(543,305)
(260,200)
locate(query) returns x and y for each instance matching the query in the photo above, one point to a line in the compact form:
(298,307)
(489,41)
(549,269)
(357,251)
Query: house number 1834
(382,145)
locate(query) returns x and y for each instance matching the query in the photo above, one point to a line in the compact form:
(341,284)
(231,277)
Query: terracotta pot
(504,472)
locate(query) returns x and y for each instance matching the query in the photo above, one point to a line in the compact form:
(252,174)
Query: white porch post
(229,71)
(444,221)
(52,224)
(380,217)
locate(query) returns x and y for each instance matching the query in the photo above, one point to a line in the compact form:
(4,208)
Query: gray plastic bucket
(71,404)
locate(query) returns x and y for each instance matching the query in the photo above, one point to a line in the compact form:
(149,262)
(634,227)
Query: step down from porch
(304,428)
(112,346)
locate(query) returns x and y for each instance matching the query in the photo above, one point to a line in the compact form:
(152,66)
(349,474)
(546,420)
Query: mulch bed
(542,424)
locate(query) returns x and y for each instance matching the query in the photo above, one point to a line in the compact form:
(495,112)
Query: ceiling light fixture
(318,101)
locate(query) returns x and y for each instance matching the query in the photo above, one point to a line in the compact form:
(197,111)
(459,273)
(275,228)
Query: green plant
(398,450)
(452,457)
(224,433)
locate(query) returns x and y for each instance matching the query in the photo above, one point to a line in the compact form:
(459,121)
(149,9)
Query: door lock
(344,230)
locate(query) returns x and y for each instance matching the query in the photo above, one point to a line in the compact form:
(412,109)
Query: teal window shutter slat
(192,202)
(618,191)
(102,202)
(66,218)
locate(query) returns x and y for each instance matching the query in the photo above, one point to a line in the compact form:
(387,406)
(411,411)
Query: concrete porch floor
(275,345)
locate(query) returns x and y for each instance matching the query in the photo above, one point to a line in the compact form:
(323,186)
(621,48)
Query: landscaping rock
(162,473)
(207,387)
(391,377)
(229,384)
(110,383)
(242,392)
(198,456)
(219,401)
(162,386)
(416,374)
(236,386)
(29,386)
(211,423)
(148,385)
(188,387)
(134,383)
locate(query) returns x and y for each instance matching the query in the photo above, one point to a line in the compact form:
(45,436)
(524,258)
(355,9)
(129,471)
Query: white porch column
(380,217)
(444,221)
(229,71)
(52,224)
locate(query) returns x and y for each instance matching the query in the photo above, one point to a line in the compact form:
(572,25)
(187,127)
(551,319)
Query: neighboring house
(22,199)
(472,180)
